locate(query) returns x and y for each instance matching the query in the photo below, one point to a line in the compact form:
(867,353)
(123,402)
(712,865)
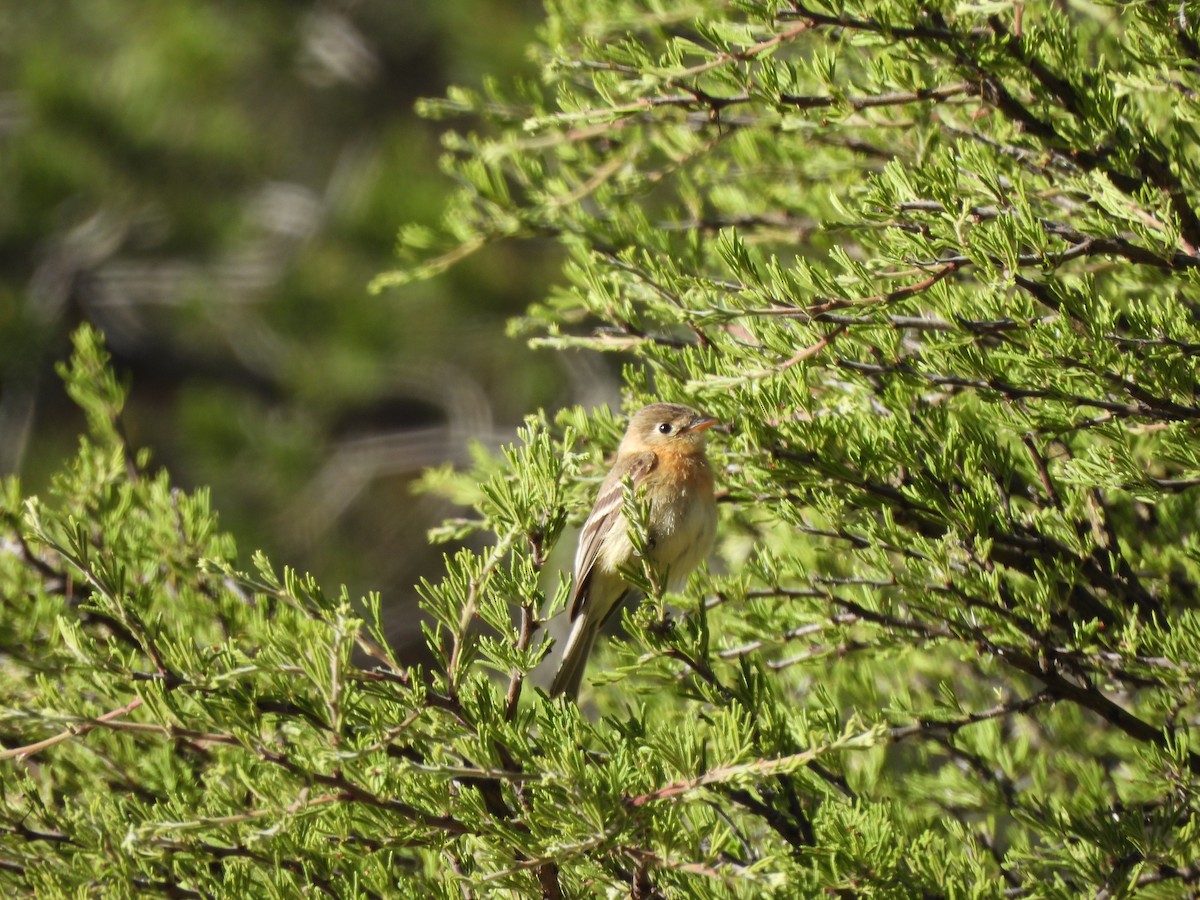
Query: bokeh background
(214,184)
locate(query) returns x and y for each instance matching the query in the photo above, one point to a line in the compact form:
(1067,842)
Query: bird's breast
(684,517)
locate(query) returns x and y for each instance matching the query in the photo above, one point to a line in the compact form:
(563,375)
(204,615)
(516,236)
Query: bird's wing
(604,516)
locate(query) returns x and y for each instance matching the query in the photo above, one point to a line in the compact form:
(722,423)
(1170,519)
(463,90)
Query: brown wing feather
(604,515)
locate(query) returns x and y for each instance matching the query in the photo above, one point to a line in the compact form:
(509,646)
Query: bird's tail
(579,647)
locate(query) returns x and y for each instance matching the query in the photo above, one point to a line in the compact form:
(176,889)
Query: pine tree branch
(23,753)
(1148,407)
(529,624)
(59,582)
(1088,696)
(981,327)
(876,101)
(859,612)
(1188,874)
(173,732)
(915,32)
(123,611)
(1150,165)
(1038,161)
(301,868)
(26,833)
(950,727)
(642,887)
(832,652)
(454,669)
(707,871)
(944,268)
(1082,244)
(695,97)
(1057,86)
(733,772)
(792,634)
(348,790)
(1010,876)
(1187,348)
(724,58)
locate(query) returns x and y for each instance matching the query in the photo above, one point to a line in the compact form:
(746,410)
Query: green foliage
(212,185)
(935,265)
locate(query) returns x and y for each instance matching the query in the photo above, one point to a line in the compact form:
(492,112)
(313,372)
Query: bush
(935,264)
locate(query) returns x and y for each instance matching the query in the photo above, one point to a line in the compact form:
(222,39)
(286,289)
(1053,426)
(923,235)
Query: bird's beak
(700,423)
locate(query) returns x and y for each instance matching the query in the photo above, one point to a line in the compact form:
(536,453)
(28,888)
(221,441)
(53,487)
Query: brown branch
(836,651)
(947,268)
(517,678)
(928,727)
(790,635)
(1185,347)
(23,753)
(750,52)
(982,327)
(920,32)
(915,626)
(797,832)
(1016,392)
(732,772)
(874,101)
(1188,874)
(1039,462)
(547,874)
(642,886)
(302,868)
(26,833)
(348,790)
(811,350)
(198,738)
(1087,695)
(1088,244)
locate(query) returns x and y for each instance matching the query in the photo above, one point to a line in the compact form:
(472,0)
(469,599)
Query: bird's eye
(664,428)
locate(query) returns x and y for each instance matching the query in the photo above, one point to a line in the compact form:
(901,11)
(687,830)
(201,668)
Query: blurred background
(213,184)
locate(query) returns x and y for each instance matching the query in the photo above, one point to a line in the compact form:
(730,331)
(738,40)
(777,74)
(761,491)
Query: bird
(662,454)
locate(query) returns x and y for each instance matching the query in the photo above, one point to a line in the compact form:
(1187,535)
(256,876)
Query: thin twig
(23,753)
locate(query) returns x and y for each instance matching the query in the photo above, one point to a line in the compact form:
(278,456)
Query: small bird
(662,453)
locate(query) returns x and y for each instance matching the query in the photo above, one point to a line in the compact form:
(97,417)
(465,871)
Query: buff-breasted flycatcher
(662,454)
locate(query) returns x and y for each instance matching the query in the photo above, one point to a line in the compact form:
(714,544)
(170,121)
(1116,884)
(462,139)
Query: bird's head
(666,426)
